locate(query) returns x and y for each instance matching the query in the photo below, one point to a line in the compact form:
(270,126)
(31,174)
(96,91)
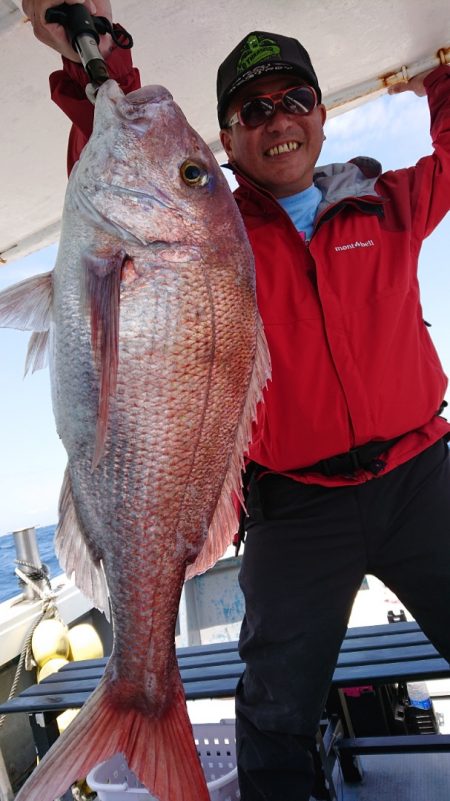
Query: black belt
(346,464)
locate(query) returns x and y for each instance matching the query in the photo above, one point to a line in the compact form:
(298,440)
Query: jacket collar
(355,179)
(337,182)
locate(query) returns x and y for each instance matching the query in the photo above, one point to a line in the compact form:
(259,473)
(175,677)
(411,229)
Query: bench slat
(194,690)
(379,655)
(231,665)
(382,628)
(384,641)
(386,673)
(396,744)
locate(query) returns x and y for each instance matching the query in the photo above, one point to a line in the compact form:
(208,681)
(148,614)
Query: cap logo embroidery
(256,49)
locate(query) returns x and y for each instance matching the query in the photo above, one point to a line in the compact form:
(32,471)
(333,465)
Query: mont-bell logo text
(369,243)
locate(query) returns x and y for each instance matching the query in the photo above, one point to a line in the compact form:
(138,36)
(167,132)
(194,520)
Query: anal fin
(73,552)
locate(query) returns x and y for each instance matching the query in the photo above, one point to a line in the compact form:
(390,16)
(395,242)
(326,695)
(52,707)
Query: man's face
(256,150)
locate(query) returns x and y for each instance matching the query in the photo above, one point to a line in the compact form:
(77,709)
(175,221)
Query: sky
(392,129)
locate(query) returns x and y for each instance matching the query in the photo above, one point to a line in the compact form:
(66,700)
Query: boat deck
(407,777)
(366,722)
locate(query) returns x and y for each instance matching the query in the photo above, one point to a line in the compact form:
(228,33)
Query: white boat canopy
(357,47)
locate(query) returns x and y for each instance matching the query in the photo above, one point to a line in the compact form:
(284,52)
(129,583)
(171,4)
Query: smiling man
(272,134)
(349,457)
(281,150)
(349,463)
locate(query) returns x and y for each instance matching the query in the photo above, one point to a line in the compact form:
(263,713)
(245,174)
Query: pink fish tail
(165,758)
(160,751)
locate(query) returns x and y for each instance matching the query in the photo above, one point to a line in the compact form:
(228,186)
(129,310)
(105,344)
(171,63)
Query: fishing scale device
(84,31)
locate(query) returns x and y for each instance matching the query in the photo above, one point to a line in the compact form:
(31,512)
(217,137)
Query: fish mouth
(138,107)
(148,94)
(136,100)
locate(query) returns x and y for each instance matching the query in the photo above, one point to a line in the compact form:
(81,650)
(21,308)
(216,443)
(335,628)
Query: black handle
(75,18)
(83,35)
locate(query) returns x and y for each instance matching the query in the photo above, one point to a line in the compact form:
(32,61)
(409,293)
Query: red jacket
(352,359)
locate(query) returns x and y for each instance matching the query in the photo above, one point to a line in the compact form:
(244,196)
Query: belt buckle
(354,460)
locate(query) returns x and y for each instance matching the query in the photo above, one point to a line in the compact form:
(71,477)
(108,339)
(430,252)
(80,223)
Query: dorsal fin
(224,524)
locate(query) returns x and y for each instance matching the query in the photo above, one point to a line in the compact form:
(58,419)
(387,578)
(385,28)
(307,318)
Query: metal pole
(6,791)
(29,559)
(342,100)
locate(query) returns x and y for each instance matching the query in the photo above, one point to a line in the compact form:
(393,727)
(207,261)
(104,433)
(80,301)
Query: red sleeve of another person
(67,87)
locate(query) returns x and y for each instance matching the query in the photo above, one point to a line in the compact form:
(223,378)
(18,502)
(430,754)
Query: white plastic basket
(216,747)
(114,781)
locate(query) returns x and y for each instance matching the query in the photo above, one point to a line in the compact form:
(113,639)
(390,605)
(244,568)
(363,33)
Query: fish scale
(157,361)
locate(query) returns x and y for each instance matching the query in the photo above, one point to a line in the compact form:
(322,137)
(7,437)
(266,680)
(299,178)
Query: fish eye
(193,174)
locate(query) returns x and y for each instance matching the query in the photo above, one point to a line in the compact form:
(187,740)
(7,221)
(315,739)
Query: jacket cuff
(441,69)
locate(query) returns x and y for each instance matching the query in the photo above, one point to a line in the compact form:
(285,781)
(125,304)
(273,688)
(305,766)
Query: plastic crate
(216,747)
(114,781)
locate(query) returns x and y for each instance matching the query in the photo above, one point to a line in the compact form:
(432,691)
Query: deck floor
(406,777)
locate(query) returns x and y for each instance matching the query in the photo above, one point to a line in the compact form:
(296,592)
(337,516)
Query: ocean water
(9,582)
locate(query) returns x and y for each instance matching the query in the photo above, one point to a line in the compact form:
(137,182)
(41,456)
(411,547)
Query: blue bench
(372,656)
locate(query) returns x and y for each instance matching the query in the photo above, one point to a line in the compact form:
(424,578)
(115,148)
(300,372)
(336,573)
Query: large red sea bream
(157,360)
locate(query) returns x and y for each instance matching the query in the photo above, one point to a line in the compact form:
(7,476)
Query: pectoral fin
(37,352)
(103,278)
(27,306)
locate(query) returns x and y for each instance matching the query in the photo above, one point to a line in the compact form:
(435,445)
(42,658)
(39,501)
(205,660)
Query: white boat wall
(17,616)
(357,47)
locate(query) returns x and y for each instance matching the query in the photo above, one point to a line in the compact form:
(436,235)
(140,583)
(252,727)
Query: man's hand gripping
(54,35)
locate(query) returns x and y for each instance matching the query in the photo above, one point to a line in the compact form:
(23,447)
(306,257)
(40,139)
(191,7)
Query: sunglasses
(256,111)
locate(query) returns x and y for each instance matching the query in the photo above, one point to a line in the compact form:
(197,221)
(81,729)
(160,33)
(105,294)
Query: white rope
(45,595)
(49,610)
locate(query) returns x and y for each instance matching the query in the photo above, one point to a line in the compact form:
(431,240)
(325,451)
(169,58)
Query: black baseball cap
(257,55)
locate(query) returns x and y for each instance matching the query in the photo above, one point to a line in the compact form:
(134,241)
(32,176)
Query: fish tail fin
(165,758)
(160,751)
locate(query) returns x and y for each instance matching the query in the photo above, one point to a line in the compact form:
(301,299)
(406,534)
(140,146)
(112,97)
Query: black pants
(307,551)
